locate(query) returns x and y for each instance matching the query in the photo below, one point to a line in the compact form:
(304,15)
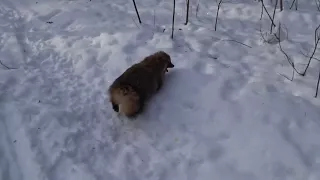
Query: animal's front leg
(160,83)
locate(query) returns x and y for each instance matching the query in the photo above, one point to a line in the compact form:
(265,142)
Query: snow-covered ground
(226,111)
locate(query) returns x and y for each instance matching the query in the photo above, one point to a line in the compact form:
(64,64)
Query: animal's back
(140,78)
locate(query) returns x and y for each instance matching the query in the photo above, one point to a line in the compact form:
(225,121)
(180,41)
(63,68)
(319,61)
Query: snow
(226,110)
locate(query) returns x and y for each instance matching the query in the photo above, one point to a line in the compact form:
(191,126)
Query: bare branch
(264,40)
(135,7)
(173,14)
(309,56)
(135,23)
(315,34)
(261,12)
(317,4)
(288,58)
(274,13)
(317,39)
(294,2)
(154,18)
(317,89)
(187,15)
(281,5)
(215,26)
(197,9)
(264,7)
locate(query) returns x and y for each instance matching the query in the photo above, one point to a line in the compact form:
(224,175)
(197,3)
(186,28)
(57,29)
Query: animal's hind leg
(115,107)
(141,107)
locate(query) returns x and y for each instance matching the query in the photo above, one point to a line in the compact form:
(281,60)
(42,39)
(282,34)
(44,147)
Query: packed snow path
(224,113)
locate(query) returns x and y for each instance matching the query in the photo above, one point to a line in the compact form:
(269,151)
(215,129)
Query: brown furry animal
(129,92)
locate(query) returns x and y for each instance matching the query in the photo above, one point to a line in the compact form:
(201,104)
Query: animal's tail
(125,100)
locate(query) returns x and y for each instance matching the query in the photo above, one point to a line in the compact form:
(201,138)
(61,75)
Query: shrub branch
(135,7)
(173,14)
(273,15)
(215,25)
(187,15)
(317,89)
(264,7)
(316,42)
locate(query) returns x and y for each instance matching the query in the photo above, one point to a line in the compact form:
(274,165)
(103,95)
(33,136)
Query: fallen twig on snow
(6,65)
(236,42)
(215,25)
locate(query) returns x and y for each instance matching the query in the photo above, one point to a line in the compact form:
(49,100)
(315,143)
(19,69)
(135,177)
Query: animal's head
(166,59)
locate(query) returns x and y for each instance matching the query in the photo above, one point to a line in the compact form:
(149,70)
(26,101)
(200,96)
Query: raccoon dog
(129,92)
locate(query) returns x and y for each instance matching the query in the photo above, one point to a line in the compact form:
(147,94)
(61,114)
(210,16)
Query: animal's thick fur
(129,92)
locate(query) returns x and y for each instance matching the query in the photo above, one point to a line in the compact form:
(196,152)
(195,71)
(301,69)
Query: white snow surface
(226,111)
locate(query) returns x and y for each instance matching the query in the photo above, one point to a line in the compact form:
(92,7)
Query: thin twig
(219,4)
(154,18)
(317,39)
(288,58)
(174,11)
(6,65)
(187,15)
(264,40)
(236,42)
(261,12)
(197,9)
(135,23)
(317,89)
(294,2)
(135,7)
(309,56)
(315,34)
(273,15)
(287,32)
(287,77)
(267,13)
(281,5)
(317,4)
